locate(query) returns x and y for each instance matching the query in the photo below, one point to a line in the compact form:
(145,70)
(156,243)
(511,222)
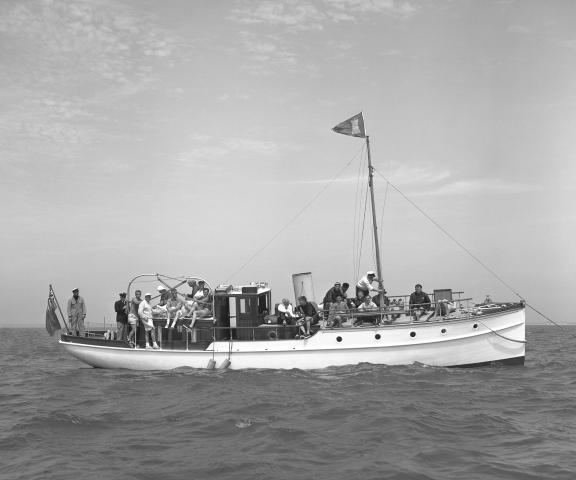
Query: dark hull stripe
(493,363)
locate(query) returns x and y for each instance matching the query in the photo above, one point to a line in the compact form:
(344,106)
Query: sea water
(60,419)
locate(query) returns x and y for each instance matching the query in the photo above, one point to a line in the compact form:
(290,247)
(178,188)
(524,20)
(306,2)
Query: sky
(194,138)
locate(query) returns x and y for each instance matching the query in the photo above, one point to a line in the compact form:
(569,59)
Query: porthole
(443,330)
(338,339)
(475,325)
(412,334)
(377,336)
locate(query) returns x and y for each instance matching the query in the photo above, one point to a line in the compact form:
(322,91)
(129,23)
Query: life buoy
(272,335)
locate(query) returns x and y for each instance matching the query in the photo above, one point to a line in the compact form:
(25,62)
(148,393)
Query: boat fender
(272,335)
(225,364)
(211,364)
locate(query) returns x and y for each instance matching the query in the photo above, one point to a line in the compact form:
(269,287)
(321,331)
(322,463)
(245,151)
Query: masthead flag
(354,126)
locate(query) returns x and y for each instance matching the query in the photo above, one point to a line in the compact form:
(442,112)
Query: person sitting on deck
(174,309)
(145,314)
(366,306)
(330,297)
(197,288)
(419,303)
(286,315)
(356,301)
(307,312)
(203,306)
(376,298)
(164,295)
(191,303)
(397,305)
(338,312)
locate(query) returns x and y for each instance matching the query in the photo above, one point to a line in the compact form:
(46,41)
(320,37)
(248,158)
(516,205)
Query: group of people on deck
(337,307)
(196,304)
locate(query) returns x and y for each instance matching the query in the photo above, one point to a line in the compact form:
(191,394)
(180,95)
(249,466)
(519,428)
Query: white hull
(476,340)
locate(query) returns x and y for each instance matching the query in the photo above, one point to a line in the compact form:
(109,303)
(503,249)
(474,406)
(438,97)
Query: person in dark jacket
(330,297)
(419,303)
(121,309)
(307,313)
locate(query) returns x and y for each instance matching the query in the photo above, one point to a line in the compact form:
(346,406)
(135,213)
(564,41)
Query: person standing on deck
(76,310)
(133,315)
(121,309)
(145,314)
(365,286)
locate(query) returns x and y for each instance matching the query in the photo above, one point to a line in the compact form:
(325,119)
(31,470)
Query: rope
(502,336)
(550,320)
(445,232)
(294,218)
(480,262)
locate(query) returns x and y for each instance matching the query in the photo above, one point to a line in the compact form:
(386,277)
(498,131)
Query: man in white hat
(365,286)
(145,314)
(76,310)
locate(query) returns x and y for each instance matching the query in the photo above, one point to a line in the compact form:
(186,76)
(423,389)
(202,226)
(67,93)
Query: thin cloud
(263,53)
(219,149)
(306,16)
(296,15)
(408,175)
(482,186)
(521,29)
(421,181)
(75,58)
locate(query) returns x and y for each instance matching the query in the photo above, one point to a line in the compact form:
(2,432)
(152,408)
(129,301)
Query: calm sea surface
(62,420)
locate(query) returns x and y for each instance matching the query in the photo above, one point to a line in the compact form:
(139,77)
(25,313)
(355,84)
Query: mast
(354,126)
(374,223)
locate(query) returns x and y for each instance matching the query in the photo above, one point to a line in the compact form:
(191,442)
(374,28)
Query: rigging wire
(295,217)
(382,221)
(480,262)
(362,234)
(361,225)
(357,203)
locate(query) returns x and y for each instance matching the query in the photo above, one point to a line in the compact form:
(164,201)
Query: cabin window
(244,305)
(263,304)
